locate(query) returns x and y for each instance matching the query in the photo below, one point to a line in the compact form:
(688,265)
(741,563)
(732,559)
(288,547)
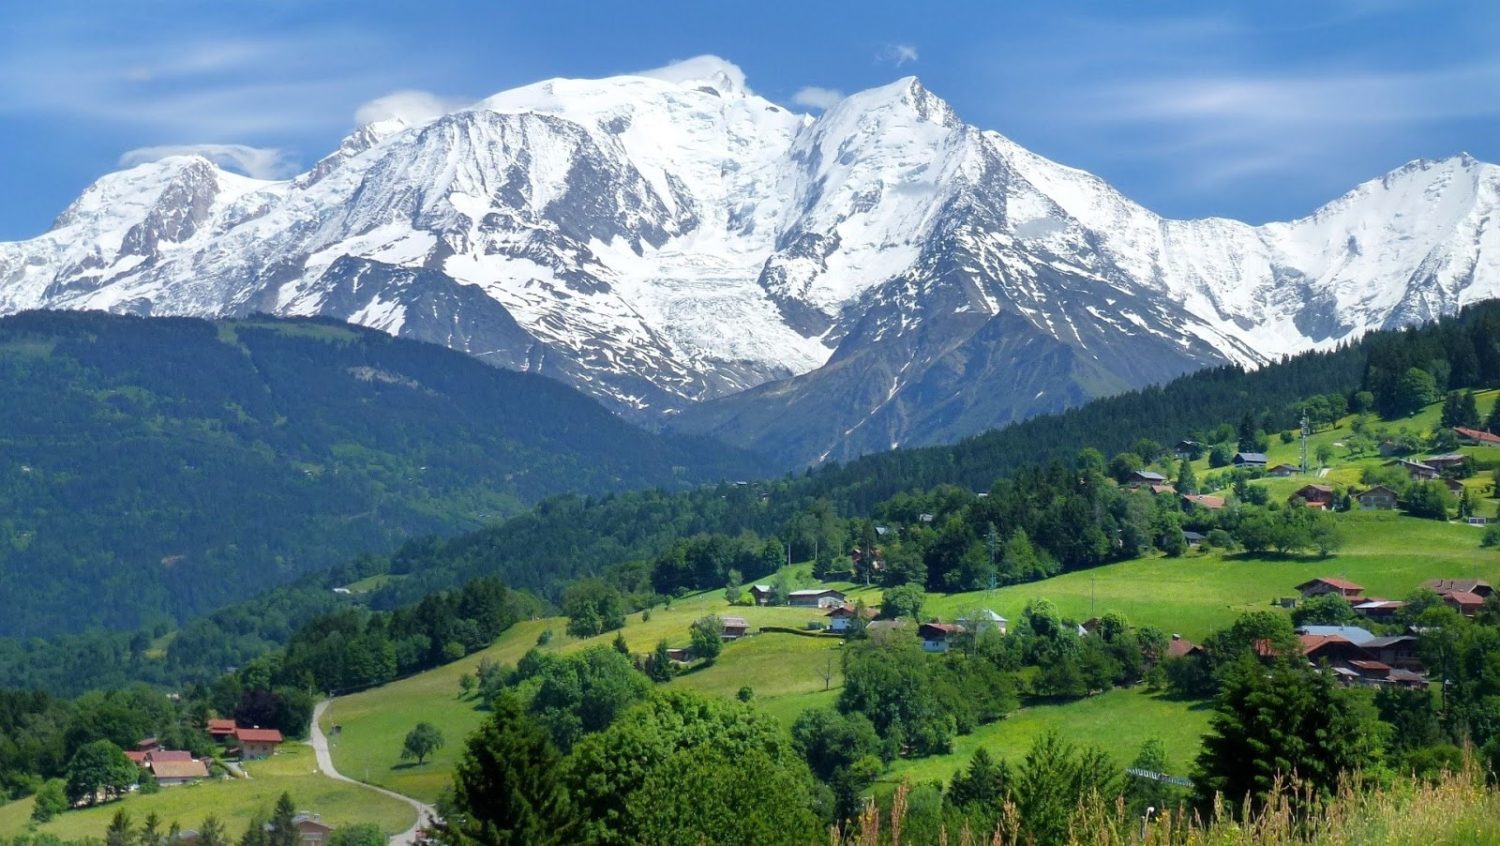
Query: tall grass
(1455,809)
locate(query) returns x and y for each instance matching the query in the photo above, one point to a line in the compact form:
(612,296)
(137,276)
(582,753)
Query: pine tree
(981,783)
(119,833)
(212,833)
(506,790)
(283,831)
(1468,411)
(1187,480)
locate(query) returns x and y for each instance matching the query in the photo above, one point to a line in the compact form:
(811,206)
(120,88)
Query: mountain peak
(706,71)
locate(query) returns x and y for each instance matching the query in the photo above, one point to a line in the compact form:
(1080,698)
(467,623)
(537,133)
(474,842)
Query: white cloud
(258,162)
(814,97)
(413,107)
(896,54)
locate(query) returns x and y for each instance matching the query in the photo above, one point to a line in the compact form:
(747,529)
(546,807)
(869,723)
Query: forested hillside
(162,468)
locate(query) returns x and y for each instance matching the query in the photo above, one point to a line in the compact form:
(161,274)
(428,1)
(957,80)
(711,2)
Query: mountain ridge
(689,252)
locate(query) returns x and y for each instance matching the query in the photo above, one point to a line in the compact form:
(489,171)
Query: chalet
(1194,538)
(886,631)
(1181,647)
(1379,610)
(1444,461)
(1249,459)
(1162,488)
(1371,671)
(220,730)
(168,756)
(1474,586)
(815,598)
(1411,679)
(936,637)
(1476,436)
(1315,495)
(1144,477)
(311,830)
(1212,503)
(257,742)
(137,757)
(1331,648)
(1281,471)
(173,773)
(1322,585)
(841,617)
(734,628)
(1464,602)
(1415,469)
(149,744)
(1188,450)
(1390,447)
(1353,634)
(761,594)
(680,654)
(1454,486)
(1378,498)
(1397,651)
(984,620)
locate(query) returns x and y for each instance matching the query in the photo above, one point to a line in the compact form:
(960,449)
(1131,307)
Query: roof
(945,628)
(1158,488)
(815,592)
(1379,489)
(1477,435)
(1181,646)
(1411,465)
(988,615)
(1285,466)
(179,769)
(1193,536)
(136,757)
(1445,457)
(1371,666)
(1456,585)
(258,735)
(1148,476)
(1463,598)
(220,726)
(1205,500)
(734,622)
(1341,584)
(847,610)
(1400,675)
(1316,642)
(1384,642)
(169,755)
(1250,457)
(1380,604)
(306,820)
(1319,488)
(761,588)
(1353,634)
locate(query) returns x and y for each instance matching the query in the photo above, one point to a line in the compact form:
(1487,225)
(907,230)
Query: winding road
(319,743)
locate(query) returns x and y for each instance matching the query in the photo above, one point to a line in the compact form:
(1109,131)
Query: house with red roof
(1476,436)
(1464,602)
(222,731)
(936,637)
(1212,503)
(1326,584)
(257,742)
(1314,495)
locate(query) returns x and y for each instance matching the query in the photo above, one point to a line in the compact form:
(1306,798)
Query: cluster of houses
(1359,657)
(1465,596)
(171,767)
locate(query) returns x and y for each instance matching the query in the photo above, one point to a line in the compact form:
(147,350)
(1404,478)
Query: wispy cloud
(814,97)
(259,162)
(413,107)
(896,54)
(212,86)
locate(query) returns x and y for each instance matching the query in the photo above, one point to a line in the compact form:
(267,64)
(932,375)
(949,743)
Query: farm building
(734,628)
(937,637)
(815,598)
(1324,584)
(841,617)
(1315,495)
(1249,459)
(257,742)
(1378,498)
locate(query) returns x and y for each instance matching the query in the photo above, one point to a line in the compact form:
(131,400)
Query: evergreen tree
(1187,480)
(1287,721)
(119,832)
(1468,411)
(505,789)
(1249,435)
(150,833)
(1452,414)
(659,664)
(255,833)
(212,832)
(982,783)
(282,831)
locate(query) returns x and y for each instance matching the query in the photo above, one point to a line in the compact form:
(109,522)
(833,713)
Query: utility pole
(1305,433)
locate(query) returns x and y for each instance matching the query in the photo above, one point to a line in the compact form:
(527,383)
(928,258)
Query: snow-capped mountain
(815,287)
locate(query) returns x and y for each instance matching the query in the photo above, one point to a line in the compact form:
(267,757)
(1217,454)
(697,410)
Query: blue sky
(1258,110)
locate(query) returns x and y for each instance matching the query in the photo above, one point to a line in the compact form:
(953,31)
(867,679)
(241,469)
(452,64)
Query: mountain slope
(815,287)
(173,465)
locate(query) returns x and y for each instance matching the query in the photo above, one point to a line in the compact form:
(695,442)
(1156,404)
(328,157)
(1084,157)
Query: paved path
(425,812)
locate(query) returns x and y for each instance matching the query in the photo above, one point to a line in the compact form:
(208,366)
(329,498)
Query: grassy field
(1390,555)
(234,801)
(1387,553)
(1118,722)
